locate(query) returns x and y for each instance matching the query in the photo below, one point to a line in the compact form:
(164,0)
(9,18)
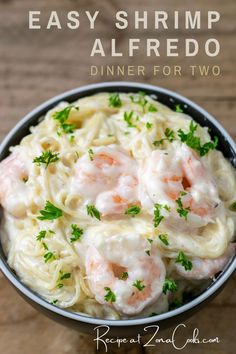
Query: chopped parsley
(140,100)
(114,100)
(62,116)
(46,158)
(91,154)
(183,212)
(133,210)
(76,233)
(45,246)
(150,240)
(138,284)
(41,235)
(164,239)
(148,252)
(194,141)
(169,136)
(175,304)
(62,276)
(50,212)
(128,116)
(72,139)
(152,108)
(93,211)
(49,256)
(110,296)
(169,285)
(184,261)
(124,276)
(153,314)
(149,125)
(54,302)
(178,108)
(232,207)
(158,217)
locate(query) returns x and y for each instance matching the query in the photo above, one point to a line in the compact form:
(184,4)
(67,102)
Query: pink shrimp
(179,173)
(122,267)
(107,179)
(206,268)
(13,174)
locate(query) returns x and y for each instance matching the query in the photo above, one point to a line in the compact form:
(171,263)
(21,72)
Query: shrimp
(206,268)
(179,173)
(119,199)
(13,174)
(106,263)
(108,179)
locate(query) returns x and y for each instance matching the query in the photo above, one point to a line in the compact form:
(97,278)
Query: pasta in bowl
(115,206)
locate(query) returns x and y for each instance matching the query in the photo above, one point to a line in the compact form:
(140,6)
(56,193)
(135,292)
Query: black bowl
(132,326)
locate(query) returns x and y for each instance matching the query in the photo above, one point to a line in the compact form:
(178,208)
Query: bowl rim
(34,297)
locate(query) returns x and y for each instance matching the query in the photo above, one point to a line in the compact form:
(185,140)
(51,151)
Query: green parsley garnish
(41,235)
(45,246)
(232,207)
(49,256)
(62,116)
(93,211)
(152,108)
(133,210)
(46,158)
(183,212)
(91,154)
(158,217)
(164,239)
(124,276)
(169,136)
(194,141)
(149,125)
(128,116)
(72,139)
(178,108)
(184,261)
(54,302)
(114,100)
(76,233)
(169,285)
(175,304)
(110,296)
(50,212)
(138,284)
(153,314)
(150,240)
(140,99)
(62,276)
(148,252)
